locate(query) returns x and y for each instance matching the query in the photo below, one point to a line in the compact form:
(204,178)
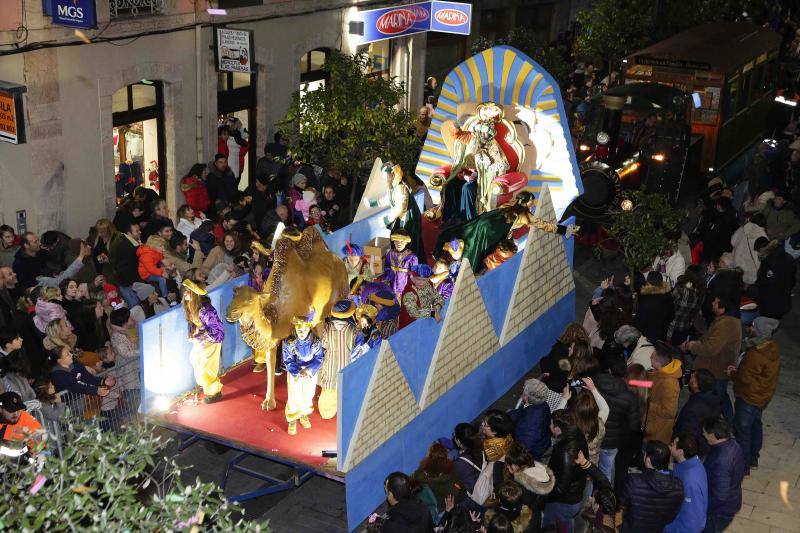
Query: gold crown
(260,248)
(193,286)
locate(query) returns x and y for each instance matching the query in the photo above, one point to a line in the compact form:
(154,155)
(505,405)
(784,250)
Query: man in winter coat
(663,403)
(406,514)
(125,262)
(725,281)
(221,182)
(725,468)
(703,403)
(623,418)
(754,384)
(654,312)
(743,240)
(781,219)
(718,348)
(689,469)
(532,419)
(652,499)
(775,280)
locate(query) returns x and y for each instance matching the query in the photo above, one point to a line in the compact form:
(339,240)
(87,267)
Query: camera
(575,383)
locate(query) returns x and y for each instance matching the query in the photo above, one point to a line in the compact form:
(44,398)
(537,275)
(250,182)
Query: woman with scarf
(497,428)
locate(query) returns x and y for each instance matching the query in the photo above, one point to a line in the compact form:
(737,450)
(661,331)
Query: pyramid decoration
(467,338)
(543,278)
(388,406)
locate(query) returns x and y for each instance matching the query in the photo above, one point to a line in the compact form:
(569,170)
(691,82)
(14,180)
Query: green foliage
(352,120)
(644,231)
(612,29)
(111,482)
(551,58)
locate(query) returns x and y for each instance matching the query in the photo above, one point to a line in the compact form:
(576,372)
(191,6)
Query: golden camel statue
(305,276)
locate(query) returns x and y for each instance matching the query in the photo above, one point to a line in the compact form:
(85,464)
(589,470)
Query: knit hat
(343,309)
(535,391)
(143,290)
(297,178)
(765,326)
(109,287)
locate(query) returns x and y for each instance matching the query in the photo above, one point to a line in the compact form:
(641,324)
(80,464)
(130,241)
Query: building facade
(144,97)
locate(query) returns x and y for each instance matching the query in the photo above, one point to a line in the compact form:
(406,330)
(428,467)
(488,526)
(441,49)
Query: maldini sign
(386,23)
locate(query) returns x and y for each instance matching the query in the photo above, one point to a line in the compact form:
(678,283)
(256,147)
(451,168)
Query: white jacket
(743,254)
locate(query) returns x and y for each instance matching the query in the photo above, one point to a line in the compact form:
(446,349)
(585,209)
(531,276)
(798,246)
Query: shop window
(380,58)
(312,75)
(138,121)
(236,107)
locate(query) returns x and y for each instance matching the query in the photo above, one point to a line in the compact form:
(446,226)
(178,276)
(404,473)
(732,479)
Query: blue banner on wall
(74,13)
(391,22)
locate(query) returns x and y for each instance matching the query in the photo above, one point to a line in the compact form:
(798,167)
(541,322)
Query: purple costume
(212,330)
(395,272)
(445,288)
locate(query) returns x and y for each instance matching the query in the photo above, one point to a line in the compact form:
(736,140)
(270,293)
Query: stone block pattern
(544,276)
(388,405)
(467,338)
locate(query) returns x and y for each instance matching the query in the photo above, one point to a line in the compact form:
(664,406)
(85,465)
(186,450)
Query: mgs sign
(74,13)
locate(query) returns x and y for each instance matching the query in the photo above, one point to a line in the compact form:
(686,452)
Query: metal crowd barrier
(111,412)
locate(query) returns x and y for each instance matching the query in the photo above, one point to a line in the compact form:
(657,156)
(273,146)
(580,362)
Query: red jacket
(149,259)
(196,194)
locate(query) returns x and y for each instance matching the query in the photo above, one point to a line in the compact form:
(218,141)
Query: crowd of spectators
(600,439)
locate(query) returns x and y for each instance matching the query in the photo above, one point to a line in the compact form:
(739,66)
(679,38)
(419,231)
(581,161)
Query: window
(380,55)
(139,156)
(730,98)
(312,75)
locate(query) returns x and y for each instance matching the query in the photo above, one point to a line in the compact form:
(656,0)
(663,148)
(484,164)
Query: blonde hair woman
(59,334)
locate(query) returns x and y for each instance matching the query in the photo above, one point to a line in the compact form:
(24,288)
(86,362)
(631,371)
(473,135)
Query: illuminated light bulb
(626,204)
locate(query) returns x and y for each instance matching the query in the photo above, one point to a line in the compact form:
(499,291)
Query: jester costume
(338,339)
(302,359)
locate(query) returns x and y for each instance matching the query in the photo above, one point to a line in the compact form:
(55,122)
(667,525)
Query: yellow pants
(260,357)
(300,401)
(205,361)
(327,403)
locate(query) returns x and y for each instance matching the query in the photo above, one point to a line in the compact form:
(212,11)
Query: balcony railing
(136,8)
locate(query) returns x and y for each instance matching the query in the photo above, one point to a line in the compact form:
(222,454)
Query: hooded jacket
(743,254)
(651,500)
(149,262)
(757,376)
(654,312)
(623,416)
(408,516)
(663,403)
(725,468)
(775,281)
(532,428)
(46,312)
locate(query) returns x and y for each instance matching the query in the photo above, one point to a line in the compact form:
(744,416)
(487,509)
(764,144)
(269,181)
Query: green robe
(410,220)
(481,236)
